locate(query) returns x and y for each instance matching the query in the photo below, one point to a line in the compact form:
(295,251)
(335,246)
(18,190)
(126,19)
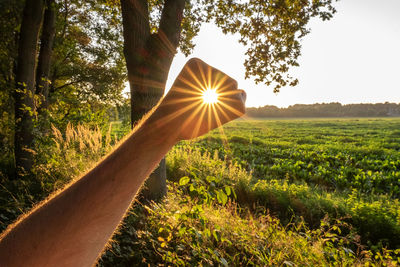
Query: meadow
(275,192)
(256,192)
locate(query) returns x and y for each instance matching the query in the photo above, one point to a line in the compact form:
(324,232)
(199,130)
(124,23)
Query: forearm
(72,228)
(82,218)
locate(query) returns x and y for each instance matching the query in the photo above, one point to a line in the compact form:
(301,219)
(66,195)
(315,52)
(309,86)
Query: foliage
(221,212)
(376,218)
(59,158)
(341,154)
(326,110)
(270,30)
(10,14)
(196,225)
(180,232)
(88,57)
(87,71)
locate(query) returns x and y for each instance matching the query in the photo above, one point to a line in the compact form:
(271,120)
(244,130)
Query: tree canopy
(271,31)
(98,44)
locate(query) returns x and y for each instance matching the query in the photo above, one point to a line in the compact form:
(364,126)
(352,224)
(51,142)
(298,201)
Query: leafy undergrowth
(376,218)
(254,205)
(215,213)
(341,154)
(59,158)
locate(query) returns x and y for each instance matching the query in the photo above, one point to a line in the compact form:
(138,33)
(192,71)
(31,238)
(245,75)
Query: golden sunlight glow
(210,96)
(205,96)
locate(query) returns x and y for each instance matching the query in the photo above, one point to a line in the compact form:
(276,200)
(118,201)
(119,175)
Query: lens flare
(210,96)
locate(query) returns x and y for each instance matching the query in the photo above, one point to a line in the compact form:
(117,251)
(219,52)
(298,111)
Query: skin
(73,227)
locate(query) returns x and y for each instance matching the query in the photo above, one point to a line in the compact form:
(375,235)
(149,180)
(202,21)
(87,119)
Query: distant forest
(327,110)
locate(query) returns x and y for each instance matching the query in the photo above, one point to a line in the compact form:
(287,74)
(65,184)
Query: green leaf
(228,190)
(210,179)
(223,261)
(215,235)
(184,181)
(191,188)
(222,197)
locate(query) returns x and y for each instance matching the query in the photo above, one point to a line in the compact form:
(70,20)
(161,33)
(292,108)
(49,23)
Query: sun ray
(229,93)
(220,109)
(192,85)
(179,112)
(188,91)
(192,115)
(215,113)
(209,75)
(183,100)
(221,129)
(245,117)
(212,96)
(196,129)
(209,116)
(205,82)
(218,84)
(194,76)
(235,111)
(228,99)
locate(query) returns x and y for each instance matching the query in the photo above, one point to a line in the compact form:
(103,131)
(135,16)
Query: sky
(353,58)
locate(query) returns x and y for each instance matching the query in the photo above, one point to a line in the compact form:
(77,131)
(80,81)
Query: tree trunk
(46,48)
(25,82)
(149,57)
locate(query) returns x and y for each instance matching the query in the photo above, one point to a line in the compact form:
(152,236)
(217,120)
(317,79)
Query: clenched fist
(201,99)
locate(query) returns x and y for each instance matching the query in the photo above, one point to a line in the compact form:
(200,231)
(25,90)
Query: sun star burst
(210,96)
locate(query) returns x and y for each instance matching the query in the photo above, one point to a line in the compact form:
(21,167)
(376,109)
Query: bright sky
(353,58)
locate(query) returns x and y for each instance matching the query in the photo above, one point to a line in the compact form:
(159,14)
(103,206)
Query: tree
(10,13)
(88,68)
(153,30)
(148,56)
(25,84)
(78,71)
(46,49)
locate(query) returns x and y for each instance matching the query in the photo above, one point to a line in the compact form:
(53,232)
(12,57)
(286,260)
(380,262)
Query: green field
(258,193)
(334,154)
(275,192)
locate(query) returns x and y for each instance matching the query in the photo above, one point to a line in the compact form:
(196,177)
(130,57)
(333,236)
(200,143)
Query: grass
(266,192)
(194,225)
(335,154)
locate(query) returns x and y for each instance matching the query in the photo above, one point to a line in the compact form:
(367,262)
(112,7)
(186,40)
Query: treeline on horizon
(326,110)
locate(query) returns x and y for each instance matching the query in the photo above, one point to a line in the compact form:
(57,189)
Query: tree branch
(170,23)
(136,29)
(65,85)
(162,48)
(46,50)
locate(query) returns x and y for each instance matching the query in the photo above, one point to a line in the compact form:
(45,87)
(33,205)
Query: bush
(59,158)
(204,220)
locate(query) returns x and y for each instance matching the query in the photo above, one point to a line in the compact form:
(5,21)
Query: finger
(242,95)
(234,104)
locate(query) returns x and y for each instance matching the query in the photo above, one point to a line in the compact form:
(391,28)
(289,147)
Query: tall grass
(218,213)
(68,154)
(376,218)
(59,158)
(195,226)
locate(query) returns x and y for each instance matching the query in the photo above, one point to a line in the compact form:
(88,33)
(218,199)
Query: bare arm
(72,228)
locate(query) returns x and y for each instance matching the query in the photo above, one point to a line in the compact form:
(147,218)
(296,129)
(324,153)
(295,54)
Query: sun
(210,96)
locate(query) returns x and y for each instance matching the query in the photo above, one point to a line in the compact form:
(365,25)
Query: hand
(183,109)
